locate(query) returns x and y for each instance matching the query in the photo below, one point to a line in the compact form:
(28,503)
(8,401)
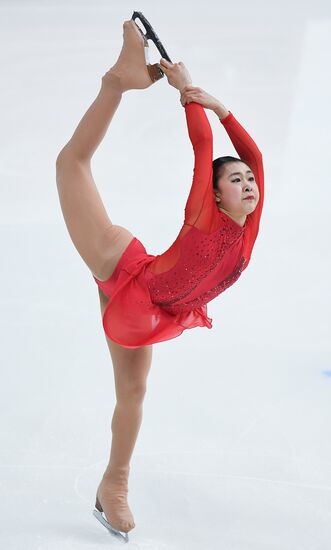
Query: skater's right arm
(201,195)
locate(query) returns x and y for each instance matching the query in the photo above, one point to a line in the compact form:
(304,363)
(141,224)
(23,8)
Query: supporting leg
(131,368)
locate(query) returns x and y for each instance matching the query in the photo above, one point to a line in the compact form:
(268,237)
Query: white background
(234,451)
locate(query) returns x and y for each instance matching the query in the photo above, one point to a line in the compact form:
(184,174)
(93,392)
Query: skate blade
(151,34)
(124,537)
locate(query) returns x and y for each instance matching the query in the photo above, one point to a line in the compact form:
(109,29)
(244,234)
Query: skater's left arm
(249,153)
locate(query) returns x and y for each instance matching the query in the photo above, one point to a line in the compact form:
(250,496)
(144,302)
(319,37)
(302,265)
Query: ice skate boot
(111,506)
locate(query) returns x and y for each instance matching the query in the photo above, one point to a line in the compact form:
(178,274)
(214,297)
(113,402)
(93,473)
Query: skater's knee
(132,393)
(131,380)
(62,157)
(70,162)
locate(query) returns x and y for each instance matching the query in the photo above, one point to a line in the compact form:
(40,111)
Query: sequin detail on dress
(210,294)
(200,255)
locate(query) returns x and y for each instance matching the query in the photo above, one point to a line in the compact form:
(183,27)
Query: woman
(144,298)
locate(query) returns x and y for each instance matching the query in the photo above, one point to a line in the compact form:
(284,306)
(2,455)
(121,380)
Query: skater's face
(236,182)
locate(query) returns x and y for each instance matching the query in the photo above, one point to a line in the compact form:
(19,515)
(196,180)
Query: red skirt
(131,318)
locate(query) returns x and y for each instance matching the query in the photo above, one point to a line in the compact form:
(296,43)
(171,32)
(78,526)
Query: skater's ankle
(117,474)
(111,80)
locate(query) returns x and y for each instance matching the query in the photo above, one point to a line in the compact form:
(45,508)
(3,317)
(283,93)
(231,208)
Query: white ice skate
(100,515)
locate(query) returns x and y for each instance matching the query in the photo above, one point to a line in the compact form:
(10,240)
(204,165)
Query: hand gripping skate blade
(124,537)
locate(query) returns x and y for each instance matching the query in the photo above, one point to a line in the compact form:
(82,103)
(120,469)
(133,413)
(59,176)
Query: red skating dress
(155,298)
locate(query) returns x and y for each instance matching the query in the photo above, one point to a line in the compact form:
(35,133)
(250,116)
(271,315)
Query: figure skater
(145,299)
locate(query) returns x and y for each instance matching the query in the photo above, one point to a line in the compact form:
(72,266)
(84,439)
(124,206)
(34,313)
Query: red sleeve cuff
(227,118)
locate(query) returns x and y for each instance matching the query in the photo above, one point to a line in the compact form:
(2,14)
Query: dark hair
(218,165)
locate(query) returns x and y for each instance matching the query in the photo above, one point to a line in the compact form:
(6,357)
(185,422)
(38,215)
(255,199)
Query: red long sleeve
(200,199)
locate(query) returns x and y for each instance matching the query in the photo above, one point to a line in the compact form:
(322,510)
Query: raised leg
(86,218)
(90,228)
(131,367)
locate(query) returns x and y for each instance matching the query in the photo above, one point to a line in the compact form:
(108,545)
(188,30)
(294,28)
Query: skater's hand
(198,95)
(176,73)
